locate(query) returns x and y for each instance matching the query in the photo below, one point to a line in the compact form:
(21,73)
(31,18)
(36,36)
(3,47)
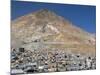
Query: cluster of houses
(37,61)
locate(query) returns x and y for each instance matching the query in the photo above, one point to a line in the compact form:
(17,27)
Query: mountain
(44,29)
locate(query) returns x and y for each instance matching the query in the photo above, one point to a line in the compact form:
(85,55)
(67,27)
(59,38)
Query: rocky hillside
(45,29)
(42,41)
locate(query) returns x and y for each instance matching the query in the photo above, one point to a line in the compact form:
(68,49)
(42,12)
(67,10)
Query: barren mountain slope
(44,29)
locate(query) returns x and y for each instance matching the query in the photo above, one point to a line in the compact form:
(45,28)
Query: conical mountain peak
(45,13)
(47,27)
(45,10)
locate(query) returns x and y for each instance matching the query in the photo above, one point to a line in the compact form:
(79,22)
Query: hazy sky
(80,15)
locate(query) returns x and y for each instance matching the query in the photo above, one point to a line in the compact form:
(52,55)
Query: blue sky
(82,16)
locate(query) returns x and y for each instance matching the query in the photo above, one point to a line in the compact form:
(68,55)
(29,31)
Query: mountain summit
(45,29)
(44,13)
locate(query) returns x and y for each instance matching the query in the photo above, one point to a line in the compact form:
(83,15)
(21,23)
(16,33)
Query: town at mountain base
(42,41)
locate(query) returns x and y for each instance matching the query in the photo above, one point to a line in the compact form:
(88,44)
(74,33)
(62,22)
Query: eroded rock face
(39,39)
